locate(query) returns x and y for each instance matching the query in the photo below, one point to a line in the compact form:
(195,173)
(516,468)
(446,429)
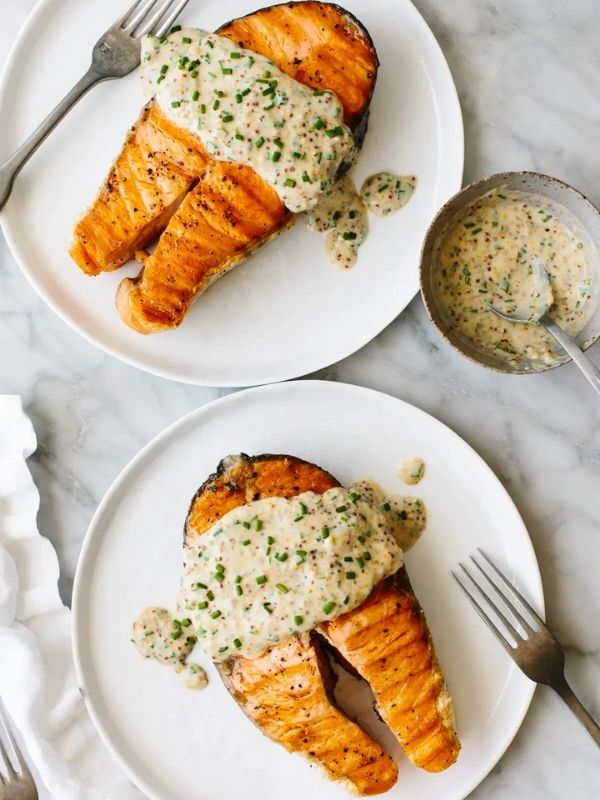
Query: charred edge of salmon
(227,467)
(359,128)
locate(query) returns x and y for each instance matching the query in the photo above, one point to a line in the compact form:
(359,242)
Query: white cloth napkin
(37,673)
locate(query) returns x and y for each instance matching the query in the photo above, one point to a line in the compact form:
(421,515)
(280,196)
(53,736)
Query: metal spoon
(589,369)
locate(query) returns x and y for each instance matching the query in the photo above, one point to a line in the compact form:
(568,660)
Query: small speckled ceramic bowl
(554,190)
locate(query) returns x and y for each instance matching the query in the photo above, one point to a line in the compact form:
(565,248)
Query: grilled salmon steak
(287,690)
(216,213)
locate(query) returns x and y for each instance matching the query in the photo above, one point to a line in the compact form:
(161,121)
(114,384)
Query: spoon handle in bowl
(589,369)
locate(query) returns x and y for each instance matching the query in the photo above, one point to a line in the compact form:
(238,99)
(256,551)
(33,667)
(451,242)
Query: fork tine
(8,765)
(535,616)
(127,14)
(149,23)
(499,593)
(479,609)
(141,10)
(497,611)
(6,726)
(170,19)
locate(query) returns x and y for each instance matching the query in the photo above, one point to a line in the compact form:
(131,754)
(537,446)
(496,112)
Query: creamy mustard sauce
(276,567)
(411,471)
(342,213)
(489,254)
(245,109)
(158,635)
(385,193)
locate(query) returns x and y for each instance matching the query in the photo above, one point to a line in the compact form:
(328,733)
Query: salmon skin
(287,691)
(156,184)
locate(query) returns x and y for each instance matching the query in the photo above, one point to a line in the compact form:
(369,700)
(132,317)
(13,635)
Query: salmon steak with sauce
(209,214)
(288,690)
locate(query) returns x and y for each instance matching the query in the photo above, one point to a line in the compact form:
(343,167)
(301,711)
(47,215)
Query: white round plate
(177,744)
(285,312)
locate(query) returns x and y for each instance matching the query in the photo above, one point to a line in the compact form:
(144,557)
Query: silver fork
(115,54)
(524,636)
(16,782)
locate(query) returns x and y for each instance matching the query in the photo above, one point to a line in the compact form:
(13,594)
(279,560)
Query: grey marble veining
(528,75)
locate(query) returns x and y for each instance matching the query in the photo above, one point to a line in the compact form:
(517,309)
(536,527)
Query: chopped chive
(202,108)
(349,235)
(196,95)
(220,567)
(306,178)
(319,124)
(175,104)
(191,640)
(367,556)
(276,156)
(336,215)
(216,105)
(226,70)
(235,54)
(238,590)
(210,596)
(318,92)
(219,577)
(176,623)
(175,634)
(215,614)
(261,579)
(175,28)
(298,620)
(278,123)
(282,588)
(351,575)
(324,532)
(219,93)
(267,608)
(227,117)
(238,578)
(353,496)
(202,605)
(164,69)
(259,142)
(360,561)
(186,40)
(337,131)
(199,586)
(210,44)
(290,182)
(160,78)
(297,155)
(340,509)
(245,91)
(301,553)
(299,518)
(328,607)
(223,649)
(246,542)
(186,622)
(279,144)
(239,137)
(348,558)
(238,98)
(237,644)
(270,540)
(246,524)
(281,556)
(194,74)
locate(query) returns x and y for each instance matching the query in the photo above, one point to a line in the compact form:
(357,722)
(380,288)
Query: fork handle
(586,365)
(568,695)
(13,165)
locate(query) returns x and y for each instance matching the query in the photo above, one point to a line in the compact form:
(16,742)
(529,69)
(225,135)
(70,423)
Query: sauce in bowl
(487,254)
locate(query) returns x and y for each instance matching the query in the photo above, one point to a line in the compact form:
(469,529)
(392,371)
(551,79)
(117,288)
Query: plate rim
(93,531)
(454,181)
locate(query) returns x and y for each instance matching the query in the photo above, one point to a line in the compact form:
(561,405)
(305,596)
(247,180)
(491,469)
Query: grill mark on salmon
(387,641)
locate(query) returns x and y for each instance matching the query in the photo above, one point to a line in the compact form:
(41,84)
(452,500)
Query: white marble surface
(529,79)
